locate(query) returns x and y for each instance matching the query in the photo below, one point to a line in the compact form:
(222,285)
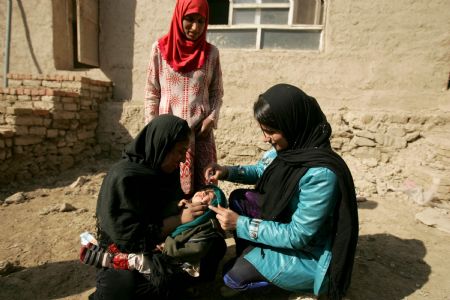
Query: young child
(187,243)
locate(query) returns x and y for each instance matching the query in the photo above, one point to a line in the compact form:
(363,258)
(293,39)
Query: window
(266,24)
(75,34)
(87,30)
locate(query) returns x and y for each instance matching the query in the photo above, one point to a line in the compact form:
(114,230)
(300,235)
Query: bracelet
(253,229)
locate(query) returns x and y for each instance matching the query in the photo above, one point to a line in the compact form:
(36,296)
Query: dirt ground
(397,257)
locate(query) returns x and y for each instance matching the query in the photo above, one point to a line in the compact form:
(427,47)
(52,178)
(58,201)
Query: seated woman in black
(135,213)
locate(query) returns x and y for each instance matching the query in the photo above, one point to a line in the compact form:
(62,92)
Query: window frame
(87,30)
(258,6)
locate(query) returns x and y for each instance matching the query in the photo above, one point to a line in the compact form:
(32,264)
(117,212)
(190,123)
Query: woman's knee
(242,275)
(219,248)
(114,284)
(210,262)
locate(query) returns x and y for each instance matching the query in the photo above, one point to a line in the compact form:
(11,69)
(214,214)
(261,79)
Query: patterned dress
(193,96)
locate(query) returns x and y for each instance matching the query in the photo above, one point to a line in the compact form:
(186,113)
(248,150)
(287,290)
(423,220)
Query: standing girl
(184,78)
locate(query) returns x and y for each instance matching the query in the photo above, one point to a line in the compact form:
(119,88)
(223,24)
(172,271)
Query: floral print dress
(193,96)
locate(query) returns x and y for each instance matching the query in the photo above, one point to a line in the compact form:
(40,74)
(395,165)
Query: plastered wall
(378,54)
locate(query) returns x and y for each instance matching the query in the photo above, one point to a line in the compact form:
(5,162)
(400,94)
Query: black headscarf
(155,140)
(307,131)
(135,191)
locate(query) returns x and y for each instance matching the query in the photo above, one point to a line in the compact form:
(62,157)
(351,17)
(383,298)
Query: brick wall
(48,123)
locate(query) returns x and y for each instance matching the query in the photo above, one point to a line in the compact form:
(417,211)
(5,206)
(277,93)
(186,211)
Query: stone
(363,142)
(435,217)
(66,207)
(79,182)
(7,267)
(16,198)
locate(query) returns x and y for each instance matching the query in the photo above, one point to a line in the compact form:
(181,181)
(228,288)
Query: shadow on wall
(117,22)
(387,267)
(28,37)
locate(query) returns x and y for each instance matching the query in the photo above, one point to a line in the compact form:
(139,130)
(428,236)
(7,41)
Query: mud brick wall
(48,124)
(412,149)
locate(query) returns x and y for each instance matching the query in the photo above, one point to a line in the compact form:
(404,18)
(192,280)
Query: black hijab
(307,131)
(135,191)
(155,140)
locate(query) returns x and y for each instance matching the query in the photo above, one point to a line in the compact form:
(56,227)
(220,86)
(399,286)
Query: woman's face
(274,137)
(175,157)
(193,26)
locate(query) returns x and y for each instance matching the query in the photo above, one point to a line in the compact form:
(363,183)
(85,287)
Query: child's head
(206,196)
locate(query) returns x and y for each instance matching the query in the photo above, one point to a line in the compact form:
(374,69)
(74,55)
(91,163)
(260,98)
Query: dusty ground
(397,257)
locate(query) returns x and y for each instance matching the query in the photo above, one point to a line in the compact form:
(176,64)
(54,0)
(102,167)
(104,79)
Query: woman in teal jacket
(298,229)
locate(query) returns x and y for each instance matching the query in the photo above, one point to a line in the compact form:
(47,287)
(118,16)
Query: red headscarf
(182,54)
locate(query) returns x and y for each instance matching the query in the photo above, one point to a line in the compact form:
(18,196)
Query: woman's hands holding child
(191,211)
(188,212)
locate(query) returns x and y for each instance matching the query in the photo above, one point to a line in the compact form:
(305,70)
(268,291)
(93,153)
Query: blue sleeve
(318,191)
(251,173)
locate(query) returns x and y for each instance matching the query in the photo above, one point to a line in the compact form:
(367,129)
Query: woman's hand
(215,172)
(192,211)
(182,204)
(189,211)
(226,217)
(159,248)
(207,126)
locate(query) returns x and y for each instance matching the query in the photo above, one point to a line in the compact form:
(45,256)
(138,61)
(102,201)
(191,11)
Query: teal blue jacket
(300,251)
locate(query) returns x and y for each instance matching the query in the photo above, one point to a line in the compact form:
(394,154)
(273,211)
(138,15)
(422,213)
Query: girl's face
(175,157)
(274,137)
(193,26)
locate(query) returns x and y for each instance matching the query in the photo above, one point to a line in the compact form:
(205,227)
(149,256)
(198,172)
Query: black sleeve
(129,213)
